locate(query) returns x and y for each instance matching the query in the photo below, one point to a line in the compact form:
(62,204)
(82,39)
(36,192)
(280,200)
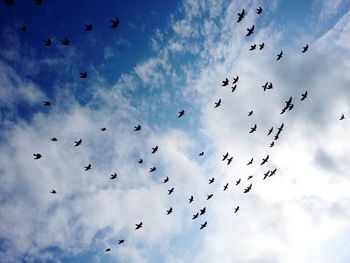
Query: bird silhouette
(195,216)
(270,131)
(229,160)
(202,211)
(115,23)
(88,27)
(168,212)
(225,82)
(291,106)
(233,88)
(236,209)
(137,128)
(280,128)
(261,46)
(248,188)
(138,226)
(273,172)
(265,86)
(23,28)
(65,42)
(120,241)
(241,16)
(238,181)
(83,75)
(203,225)
(54,139)
(10,2)
(47,42)
(250,177)
(250,113)
(87,167)
(153,169)
(235,80)
(279,56)
(272,144)
(270,86)
(209,196)
(53,191)
(154,149)
(259,10)
(250,31)
(170,191)
(304,96)
(140,161)
(265,160)
(166,180)
(224,157)
(266,174)
(190,200)
(38,2)
(252,47)
(201,154)
(253,129)
(217,104)
(225,186)
(114,176)
(103,129)
(78,142)
(46,103)
(37,156)
(107,250)
(181,113)
(305,48)
(342,117)
(250,162)
(211,180)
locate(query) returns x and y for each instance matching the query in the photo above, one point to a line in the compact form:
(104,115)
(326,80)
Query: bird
(140,161)
(209,196)
(270,131)
(78,142)
(201,154)
(261,46)
(115,23)
(252,47)
(83,75)
(272,144)
(103,129)
(291,107)
(273,172)
(138,226)
(233,88)
(38,2)
(37,156)
(304,96)
(46,103)
(305,48)
(225,186)
(280,128)
(248,188)
(217,104)
(120,241)
(250,177)
(88,27)
(225,82)
(265,160)
(203,225)
(47,42)
(181,113)
(23,28)
(87,167)
(229,160)
(250,31)
(114,176)
(137,128)
(266,174)
(342,117)
(250,162)
(168,212)
(253,129)
(107,250)
(166,180)
(236,209)
(259,10)
(279,56)
(10,2)
(235,80)
(270,86)
(65,42)
(241,16)
(276,137)
(265,86)
(211,180)
(54,139)
(53,191)
(170,191)
(195,216)
(224,157)
(238,181)
(250,113)
(190,200)
(153,169)
(154,149)
(202,211)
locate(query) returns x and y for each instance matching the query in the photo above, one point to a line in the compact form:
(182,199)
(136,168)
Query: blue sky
(164,57)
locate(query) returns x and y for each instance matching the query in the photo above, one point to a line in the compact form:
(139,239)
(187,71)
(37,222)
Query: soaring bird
(195,216)
(253,129)
(217,104)
(23,28)
(78,142)
(280,128)
(47,42)
(53,191)
(241,16)
(37,156)
(250,31)
(252,47)
(225,82)
(168,212)
(46,103)
(201,154)
(181,113)
(166,180)
(273,172)
(265,160)
(113,176)
(170,191)
(225,186)
(259,10)
(272,144)
(137,128)
(266,174)
(265,86)
(248,188)
(250,113)
(235,80)
(233,88)
(224,157)
(107,250)
(304,96)
(54,139)
(209,196)
(138,226)
(190,200)
(88,27)
(202,211)
(83,75)
(250,177)
(211,180)
(120,241)
(279,56)
(203,225)
(115,23)
(250,162)
(154,149)
(87,167)
(153,169)
(305,48)
(342,117)
(238,181)
(103,129)
(229,160)
(270,86)
(65,42)
(291,107)
(140,161)
(270,131)
(236,209)
(261,46)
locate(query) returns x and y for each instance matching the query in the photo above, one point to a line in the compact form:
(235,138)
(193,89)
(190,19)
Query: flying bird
(115,23)
(305,48)
(195,216)
(238,181)
(38,2)
(168,212)
(272,144)
(37,156)
(201,154)
(10,2)
(225,186)
(304,96)
(217,104)
(209,196)
(265,86)
(259,10)
(250,162)
(78,142)
(65,42)
(235,80)
(120,241)
(137,128)
(23,28)
(88,27)
(250,31)
(252,47)
(140,161)
(107,250)
(114,176)
(236,209)
(265,160)
(233,88)
(83,75)
(261,46)
(138,226)
(241,16)
(153,169)
(224,157)
(229,160)
(250,113)
(202,211)
(53,191)
(166,180)
(103,129)
(225,82)
(273,172)
(181,113)
(211,180)
(190,200)
(87,167)
(266,174)
(270,86)
(253,129)
(155,149)
(280,128)
(250,177)
(270,131)
(170,191)
(342,117)
(47,42)
(279,56)
(248,188)
(46,103)
(54,139)
(204,225)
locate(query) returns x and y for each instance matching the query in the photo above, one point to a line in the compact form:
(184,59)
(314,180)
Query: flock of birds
(289,105)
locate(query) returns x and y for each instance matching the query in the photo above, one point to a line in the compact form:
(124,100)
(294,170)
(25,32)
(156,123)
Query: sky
(164,57)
